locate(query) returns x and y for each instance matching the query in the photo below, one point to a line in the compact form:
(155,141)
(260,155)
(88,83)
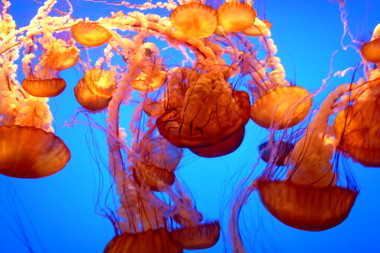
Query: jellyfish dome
(205,114)
(194,20)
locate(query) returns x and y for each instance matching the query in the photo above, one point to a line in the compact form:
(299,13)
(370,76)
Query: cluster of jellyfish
(195,107)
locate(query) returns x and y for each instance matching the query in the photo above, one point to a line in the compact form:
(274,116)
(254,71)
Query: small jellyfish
(42,80)
(151,73)
(279,150)
(194,20)
(201,236)
(155,162)
(90,34)
(259,28)
(235,16)
(282,107)
(94,90)
(44,87)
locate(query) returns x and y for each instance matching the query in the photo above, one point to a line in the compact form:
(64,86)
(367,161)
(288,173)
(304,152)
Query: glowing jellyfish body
(210,113)
(306,207)
(59,55)
(151,74)
(44,87)
(201,236)
(90,34)
(309,197)
(358,127)
(94,91)
(282,107)
(28,152)
(158,241)
(157,179)
(194,20)
(371,51)
(236,16)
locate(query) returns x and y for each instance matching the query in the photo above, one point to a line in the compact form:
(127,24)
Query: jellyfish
(371,50)
(277,104)
(315,194)
(29,148)
(152,76)
(94,90)
(194,20)
(235,16)
(357,125)
(280,154)
(204,114)
(41,78)
(282,107)
(90,34)
(29,152)
(156,160)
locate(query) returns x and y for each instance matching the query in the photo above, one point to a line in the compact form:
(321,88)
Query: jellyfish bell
(153,177)
(59,55)
(157,240)
(201,236)
(44,87)
(315,194)
(235,16)
(205,113)
(90,34)
(194,20)
(306,207)
(149,82)
(259,28)
(101,82)
(283,107)
(94,91)
(309,198)
(371,51)
(358,127)
(151,74)
(276,152)
(29,152)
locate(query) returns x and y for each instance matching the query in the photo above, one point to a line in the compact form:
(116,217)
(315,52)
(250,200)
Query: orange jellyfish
(43,80)
(156,160)
(158,241)
(276,103)
(312,196)
(94,90)
(29,152)
(282,107)
(259,28)
(194,20)
(151,74)
(90,34)
(235,16)
(201,236)
(358,126)
(371,49)
(203,113)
